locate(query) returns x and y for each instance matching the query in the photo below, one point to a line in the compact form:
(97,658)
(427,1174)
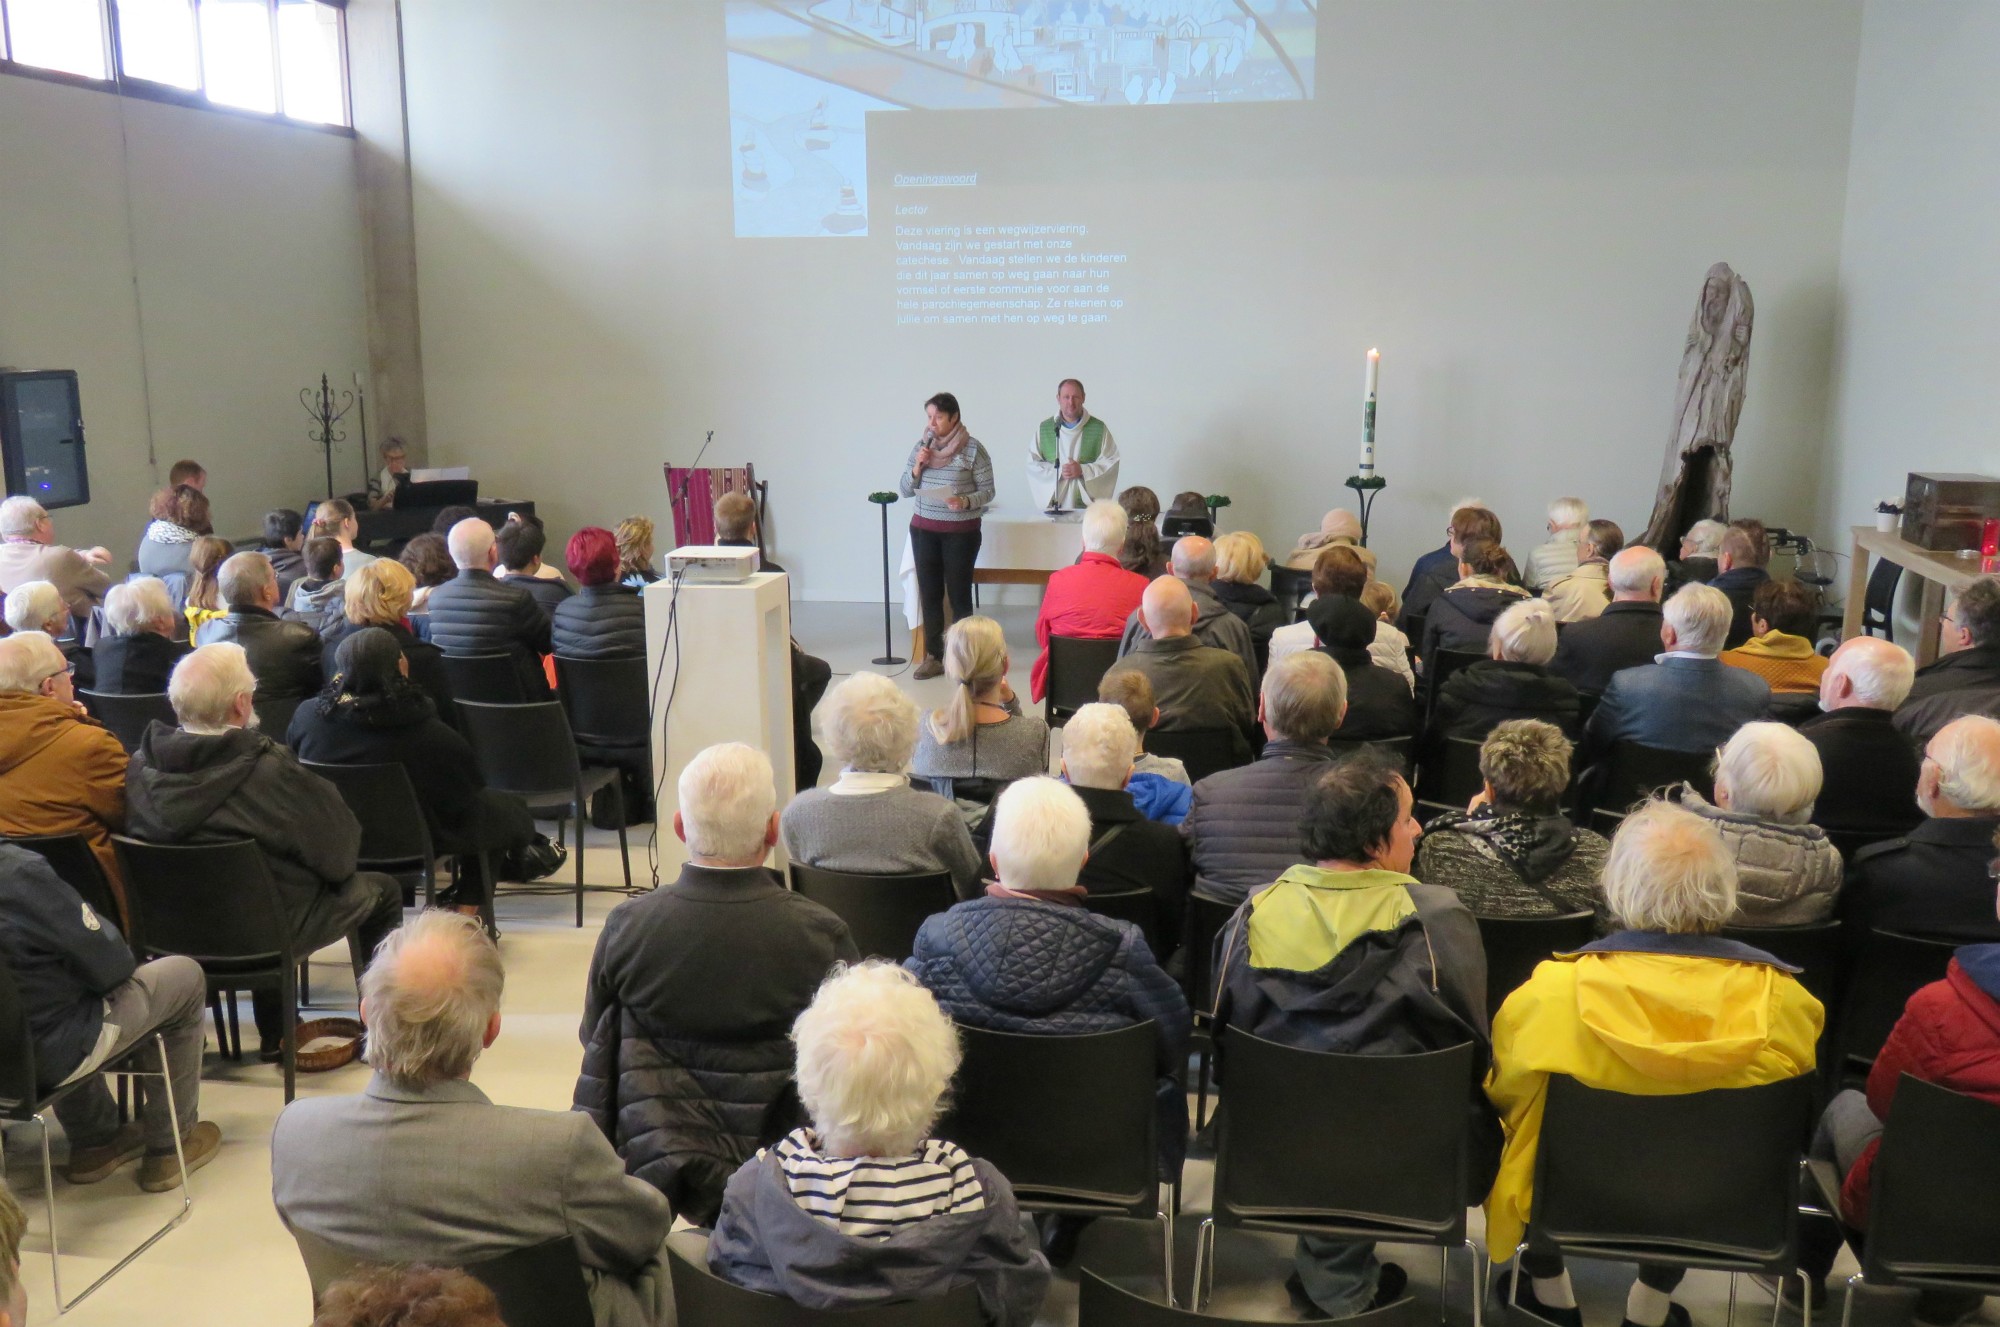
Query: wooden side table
(1941,573)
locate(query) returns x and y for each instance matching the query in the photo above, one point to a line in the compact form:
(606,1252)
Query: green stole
(1088,447)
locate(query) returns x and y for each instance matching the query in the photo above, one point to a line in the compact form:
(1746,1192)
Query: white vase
(1888,522)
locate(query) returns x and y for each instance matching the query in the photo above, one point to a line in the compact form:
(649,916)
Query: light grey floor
(232,1264)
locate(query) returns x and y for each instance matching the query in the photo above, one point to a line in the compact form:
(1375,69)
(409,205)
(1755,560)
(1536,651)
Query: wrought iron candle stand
(326,408)
(1366,489)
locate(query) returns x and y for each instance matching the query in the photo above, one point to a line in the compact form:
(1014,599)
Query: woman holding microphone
(951,477)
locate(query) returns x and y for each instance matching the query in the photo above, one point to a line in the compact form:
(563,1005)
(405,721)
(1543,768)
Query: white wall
(241,239)
(1919,330)
(1516,202)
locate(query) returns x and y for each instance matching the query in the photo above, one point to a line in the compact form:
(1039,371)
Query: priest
(1074,461)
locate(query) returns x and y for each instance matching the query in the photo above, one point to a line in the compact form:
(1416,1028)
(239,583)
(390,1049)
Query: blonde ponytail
(975,657)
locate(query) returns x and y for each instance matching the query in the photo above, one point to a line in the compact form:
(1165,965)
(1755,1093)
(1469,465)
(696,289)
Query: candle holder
(889,655)
(1366,489)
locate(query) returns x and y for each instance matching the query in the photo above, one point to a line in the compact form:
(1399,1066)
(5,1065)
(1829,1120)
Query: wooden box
(1945,512)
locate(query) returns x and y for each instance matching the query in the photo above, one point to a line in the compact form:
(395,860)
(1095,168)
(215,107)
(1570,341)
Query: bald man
(1193,566)
(1196,686)
(1626,634)
(477,613)
(1870,767)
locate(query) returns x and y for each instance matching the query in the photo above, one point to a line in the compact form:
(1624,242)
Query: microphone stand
(889,656)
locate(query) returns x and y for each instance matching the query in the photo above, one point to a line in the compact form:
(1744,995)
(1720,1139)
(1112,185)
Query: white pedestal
(728,672)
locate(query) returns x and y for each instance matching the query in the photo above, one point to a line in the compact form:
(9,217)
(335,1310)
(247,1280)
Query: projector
(710,564)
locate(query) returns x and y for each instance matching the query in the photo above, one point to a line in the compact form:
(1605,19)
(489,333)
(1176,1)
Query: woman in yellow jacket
(1661,1007)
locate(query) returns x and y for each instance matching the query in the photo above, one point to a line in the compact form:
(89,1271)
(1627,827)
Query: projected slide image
(805,72)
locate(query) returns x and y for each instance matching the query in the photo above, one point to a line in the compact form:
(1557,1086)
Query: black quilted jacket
(476,614)
(601,622)
(1243,824)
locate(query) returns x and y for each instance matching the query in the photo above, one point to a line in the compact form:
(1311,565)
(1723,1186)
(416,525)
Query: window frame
(123,84)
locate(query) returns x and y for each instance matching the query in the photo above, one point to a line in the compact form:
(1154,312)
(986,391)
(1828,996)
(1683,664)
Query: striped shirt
(877,1197)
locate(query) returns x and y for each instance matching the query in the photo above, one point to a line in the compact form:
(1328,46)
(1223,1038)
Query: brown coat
(61,774)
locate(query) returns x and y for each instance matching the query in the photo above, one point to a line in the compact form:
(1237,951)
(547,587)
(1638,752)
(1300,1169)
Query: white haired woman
(871,821)
(1090,599)
(1551,561)
(864,1207)
(980,733)
(39,606)
(1787,871)
(1661,1006)
(1513,681)
(137,655)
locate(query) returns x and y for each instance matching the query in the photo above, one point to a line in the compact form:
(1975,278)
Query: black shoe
(1677,1316)
(270,1052)
(1302,1303)
(1389,1286)
(1060,1236)
(1526,1302)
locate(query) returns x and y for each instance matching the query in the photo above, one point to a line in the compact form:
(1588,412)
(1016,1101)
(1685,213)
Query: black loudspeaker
(41,438)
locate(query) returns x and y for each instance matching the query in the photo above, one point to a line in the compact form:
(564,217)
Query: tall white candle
(1368,415)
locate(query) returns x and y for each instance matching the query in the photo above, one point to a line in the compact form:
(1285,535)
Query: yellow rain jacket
(1639,1012)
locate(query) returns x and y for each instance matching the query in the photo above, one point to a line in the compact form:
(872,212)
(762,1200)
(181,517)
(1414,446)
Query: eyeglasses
(67,670)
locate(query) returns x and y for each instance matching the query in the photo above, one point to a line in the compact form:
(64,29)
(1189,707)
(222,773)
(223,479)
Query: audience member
(1188,514)
(395,464)
(372,712)
(1586,591)
(1661,1006)
(85,1001)
(29,552)
(1965,679)
(686,1068)
(179,517)
(1783,616)
(1787,871)
(863,1207)
(1512,852)
(204,586)
(1561,554)
(1342,570)
(1688,701)
(378,597)
(60,772)
(1461,617)
(1193,565)
(429,561)
(13,1293)
(1870,769)
(1339,527)
(1091,598)
(635,552)
(1699,549)
(284,656)
(1437,571)
(1348,953)
(37,606)
(191,473)
(138,652)
(519,545)
(1128,851)
(1626,634)
(408,1296)
(1141,551)
(1240,561)
(215,779)
(1198,687)
(980,733)
(335,519)
(449,516)
(478,614)
(422,1166)
(1159,784)
(319,598)
(1739,573)
(1242,824)
(604,619)
(1030,957)
(284,544)
(1379,703)
(871,821)
(1512,682)
(1937,881)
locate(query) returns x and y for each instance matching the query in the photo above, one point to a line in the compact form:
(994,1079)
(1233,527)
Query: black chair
(882,912)
(1515,945)
(274,717)
(1104,1161)
(1290,586)
(215,904)
(1813,948)
(1438,671)
(1631,772)
(487,679)
(1102,1304)
(1878,605)
(539,1285)
(1932,1221)
(1204,751)
(395,837)
(1076,666)
(1699,1179)
(527,750)
(1792,708)
(128,717)
(70,857)
(1881,977)
(1206,918)
(606,701)
(1400,750)
(703,1299)
(22,1101)
(1450,776)
(1852,840)
(1389,1163)
(1131,905)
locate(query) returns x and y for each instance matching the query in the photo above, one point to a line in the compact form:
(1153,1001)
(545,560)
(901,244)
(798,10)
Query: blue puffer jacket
(1022,965)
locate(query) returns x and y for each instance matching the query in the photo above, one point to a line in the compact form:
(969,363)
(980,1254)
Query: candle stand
(1366,489)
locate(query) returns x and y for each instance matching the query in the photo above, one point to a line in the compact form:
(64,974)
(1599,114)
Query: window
(277,57)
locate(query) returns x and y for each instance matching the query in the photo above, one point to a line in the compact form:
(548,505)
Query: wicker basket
(345,1035)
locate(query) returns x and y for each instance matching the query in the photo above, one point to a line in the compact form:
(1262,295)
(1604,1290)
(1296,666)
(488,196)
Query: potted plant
(1888,516)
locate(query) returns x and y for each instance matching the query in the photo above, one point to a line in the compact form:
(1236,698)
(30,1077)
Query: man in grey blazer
(1687,700)
(421,1167)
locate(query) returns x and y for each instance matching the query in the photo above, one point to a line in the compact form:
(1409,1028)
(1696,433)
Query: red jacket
(1091,600)
(1949,1034)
